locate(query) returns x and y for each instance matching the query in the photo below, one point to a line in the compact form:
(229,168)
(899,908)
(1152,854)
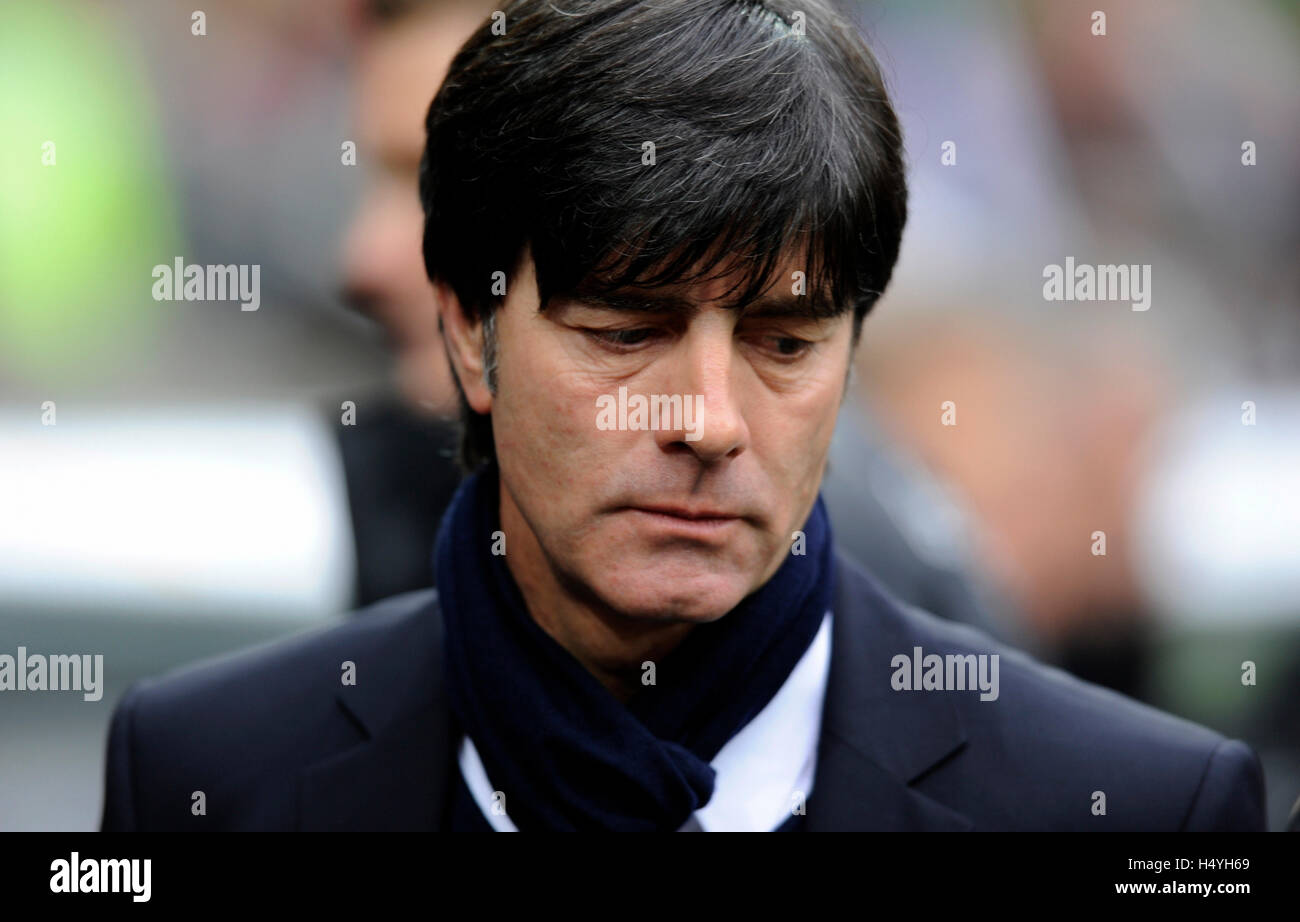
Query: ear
(464,341)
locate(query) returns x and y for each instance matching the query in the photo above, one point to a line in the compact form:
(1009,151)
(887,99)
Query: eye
(787,347)
(632,337)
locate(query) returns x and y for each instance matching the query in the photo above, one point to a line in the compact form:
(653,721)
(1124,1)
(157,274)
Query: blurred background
(183,479)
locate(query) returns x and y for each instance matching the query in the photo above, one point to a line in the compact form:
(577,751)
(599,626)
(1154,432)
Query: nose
(704,370)
(381,254)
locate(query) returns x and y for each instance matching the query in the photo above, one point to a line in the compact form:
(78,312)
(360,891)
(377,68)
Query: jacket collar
(874,742)
(393,771)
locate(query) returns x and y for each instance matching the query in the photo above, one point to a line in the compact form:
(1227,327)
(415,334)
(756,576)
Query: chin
(701,597)
(665,579)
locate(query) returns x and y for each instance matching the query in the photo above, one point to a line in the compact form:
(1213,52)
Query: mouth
(687,521)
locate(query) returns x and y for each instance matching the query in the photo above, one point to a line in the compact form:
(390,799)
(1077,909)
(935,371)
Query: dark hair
(771,129)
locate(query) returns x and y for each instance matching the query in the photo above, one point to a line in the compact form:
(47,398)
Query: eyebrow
(813,307)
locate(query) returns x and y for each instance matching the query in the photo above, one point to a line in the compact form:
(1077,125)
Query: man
(404,50)
(398,451)
(671,219)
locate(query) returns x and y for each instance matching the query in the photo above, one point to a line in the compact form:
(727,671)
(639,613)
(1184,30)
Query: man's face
(678,523)
(400,67)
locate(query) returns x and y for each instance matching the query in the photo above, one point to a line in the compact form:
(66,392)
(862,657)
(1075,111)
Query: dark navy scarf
(566,753)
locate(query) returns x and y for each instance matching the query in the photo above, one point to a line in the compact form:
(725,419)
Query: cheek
(547,416)
(796,426)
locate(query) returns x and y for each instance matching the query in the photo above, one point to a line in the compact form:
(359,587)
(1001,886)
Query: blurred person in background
(1170,140)
(404,50)
(398,454)
(1042,463)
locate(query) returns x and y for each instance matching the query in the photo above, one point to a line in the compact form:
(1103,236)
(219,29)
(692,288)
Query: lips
(691,515)
(701,525)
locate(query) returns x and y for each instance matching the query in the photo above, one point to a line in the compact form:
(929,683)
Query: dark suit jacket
(274,740)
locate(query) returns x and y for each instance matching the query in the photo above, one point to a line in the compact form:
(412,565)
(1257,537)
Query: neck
(609,645)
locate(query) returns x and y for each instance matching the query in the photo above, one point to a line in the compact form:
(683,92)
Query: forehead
(399,69)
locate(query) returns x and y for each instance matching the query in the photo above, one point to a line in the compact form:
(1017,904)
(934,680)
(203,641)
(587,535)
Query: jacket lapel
(876,741)
(394,775)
